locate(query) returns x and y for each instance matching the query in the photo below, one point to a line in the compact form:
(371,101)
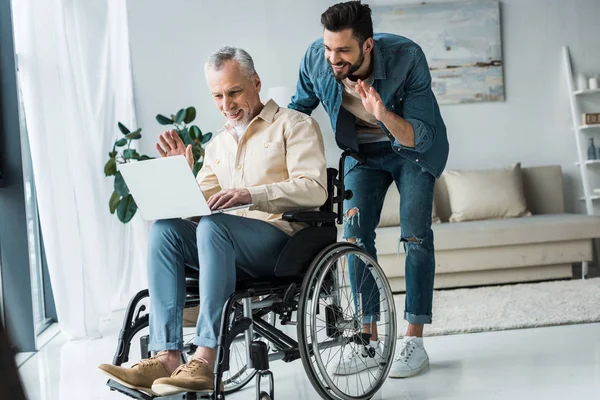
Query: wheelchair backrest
(329,204)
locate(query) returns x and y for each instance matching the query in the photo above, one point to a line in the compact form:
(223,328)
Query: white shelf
(587,91)
(585,127)
(592,197)
(589,162)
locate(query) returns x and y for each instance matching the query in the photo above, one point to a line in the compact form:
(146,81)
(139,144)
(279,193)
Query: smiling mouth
(234,115)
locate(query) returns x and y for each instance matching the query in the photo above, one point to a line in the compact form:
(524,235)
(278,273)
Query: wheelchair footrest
(196,396)
(136,394)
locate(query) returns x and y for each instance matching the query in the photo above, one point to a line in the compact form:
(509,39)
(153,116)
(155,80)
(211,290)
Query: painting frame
(462,42)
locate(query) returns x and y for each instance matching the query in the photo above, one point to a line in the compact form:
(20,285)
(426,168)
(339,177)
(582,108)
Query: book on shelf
(590,118)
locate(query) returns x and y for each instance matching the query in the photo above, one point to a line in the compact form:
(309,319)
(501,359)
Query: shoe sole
(162,389)
(129,385)
(410,373)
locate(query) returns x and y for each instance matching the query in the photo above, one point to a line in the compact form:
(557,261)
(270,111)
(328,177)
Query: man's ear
(368,45)
(257,82)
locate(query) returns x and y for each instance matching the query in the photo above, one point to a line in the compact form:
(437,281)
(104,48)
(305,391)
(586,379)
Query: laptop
(166,188)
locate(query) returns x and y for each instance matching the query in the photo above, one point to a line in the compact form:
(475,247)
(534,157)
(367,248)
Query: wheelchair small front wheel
(265,396)
(346,324)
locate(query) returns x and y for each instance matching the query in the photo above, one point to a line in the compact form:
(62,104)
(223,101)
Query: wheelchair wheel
(335,325)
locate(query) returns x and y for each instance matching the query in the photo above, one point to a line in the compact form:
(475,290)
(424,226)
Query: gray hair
(217,59)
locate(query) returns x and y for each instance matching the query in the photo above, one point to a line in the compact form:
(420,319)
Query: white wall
(171,40)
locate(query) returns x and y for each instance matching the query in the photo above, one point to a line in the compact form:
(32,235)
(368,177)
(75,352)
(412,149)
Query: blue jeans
(369,183)
(223,248)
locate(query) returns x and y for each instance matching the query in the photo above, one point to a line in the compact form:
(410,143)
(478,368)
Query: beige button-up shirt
(280,159)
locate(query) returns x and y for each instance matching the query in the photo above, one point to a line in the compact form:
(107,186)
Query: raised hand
(170,144)
(371,100)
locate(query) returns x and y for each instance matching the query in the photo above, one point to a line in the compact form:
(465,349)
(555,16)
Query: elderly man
(265,155)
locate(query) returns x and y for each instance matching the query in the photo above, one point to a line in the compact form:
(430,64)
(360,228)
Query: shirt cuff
(259,197)
(423,138)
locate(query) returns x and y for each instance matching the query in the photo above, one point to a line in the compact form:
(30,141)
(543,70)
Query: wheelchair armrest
(309,216)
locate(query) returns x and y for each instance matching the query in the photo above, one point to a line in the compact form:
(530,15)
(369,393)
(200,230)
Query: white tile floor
(547,363)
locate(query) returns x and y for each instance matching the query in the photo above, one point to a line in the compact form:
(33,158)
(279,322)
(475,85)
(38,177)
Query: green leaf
(123,129)
(197,168)
(126,209)
(163,120)
(112,154)
(180,116)
(206,138)
(111,167)
(197,151)
(195,132)
(114,202)
(134,135)
(120,185)
(184,134)
(190,115)
(121,142)
(130,154)
(145,157)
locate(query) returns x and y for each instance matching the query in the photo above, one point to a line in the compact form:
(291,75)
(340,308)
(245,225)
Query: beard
(247,115)
(244,120)
(353,67)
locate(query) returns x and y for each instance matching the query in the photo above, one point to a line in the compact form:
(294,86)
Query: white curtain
(75,76)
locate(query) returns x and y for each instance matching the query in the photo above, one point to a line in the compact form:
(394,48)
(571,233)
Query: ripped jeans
(369,183)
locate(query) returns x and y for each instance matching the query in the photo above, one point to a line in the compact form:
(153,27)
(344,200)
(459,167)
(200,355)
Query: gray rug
(518,306)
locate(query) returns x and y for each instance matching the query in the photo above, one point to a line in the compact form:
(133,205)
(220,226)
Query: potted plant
(121,200)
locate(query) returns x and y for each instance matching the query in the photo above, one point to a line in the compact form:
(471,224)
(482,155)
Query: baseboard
(492,277)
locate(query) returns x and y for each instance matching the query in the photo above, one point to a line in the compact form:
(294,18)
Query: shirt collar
(378,65)
(269,110)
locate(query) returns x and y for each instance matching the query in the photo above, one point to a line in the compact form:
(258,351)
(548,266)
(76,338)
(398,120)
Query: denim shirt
(401,77)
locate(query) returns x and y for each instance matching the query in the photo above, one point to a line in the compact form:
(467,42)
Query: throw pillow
(486,194)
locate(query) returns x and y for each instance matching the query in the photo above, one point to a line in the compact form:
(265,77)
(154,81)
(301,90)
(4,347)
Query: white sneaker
(410,360)
(360,360)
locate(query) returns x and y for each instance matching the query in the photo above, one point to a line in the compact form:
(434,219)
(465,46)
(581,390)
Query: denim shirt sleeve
(305,99)
(419,104)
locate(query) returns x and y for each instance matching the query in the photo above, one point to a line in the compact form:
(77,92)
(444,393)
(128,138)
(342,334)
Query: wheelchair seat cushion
(302,249)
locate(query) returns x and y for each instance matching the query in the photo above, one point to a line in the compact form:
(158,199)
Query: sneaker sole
(408,374)
(162,389)
(129,385)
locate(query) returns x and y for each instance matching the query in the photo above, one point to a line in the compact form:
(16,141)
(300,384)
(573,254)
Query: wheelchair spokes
(346,295)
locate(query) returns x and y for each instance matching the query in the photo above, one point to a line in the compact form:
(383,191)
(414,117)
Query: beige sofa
(539,246)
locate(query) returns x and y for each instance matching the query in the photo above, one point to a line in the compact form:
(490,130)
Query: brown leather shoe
(195,376)
(140,376)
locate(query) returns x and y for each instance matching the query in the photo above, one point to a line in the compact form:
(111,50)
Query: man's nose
(227,103)
(334,59)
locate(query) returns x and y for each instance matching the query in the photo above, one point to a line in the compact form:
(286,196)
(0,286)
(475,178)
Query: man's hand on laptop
(229,198)
(172,145)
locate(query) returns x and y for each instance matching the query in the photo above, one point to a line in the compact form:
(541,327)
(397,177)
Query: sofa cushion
(390,214)
(486,194)
(472,234)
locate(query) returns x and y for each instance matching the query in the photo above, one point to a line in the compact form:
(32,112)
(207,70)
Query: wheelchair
(318,288)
